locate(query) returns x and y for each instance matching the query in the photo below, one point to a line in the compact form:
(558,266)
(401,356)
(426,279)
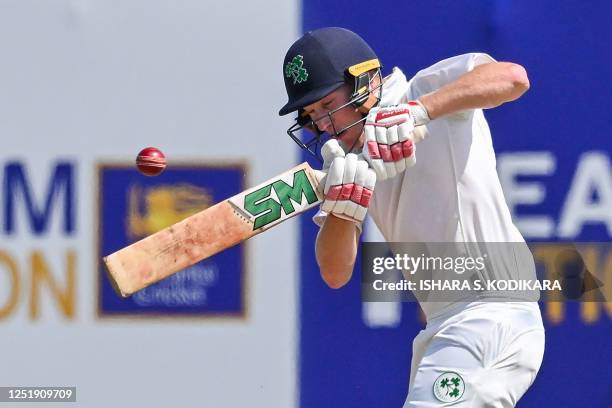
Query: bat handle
(319,175)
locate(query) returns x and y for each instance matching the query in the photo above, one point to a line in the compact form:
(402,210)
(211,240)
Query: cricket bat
(214,229)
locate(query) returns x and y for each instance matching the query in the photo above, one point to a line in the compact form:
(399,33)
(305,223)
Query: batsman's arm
(486,86)
(336,250)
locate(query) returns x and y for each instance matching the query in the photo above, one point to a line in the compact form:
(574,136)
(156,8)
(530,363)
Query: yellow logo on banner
(164,205)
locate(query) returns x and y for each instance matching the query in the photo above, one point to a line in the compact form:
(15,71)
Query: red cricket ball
(151,161)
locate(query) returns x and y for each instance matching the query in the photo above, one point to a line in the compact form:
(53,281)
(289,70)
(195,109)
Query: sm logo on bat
(290,194)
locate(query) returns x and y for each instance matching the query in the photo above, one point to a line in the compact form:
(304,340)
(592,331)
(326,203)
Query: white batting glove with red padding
(389,147)
(349,183)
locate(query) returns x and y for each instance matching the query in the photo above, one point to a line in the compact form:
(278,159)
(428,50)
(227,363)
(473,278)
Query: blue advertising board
(132,206)
(558,130)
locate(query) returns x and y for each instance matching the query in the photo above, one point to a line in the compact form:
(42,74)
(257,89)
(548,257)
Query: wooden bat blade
(214,229)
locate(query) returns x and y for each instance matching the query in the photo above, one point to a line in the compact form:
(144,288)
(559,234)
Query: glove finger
(408,148)
(333,181)
(379,167)
(400,165)
(418,133)
(361,173)
(385,152)
(392,140)
(406,137)
(370,147)
(370,182)
(396,149)
(328,206)
(360,179)
(330,150)
(366,195)
(351,209)
(383,145)
(340,207)
(360,213)
(410,153)
(410,161)
(371,152)
(381,136)
(350,168)
(390,169)
(404,131)
(348,183)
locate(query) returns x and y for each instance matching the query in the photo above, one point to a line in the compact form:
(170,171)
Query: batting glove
(349,183)
(389,147)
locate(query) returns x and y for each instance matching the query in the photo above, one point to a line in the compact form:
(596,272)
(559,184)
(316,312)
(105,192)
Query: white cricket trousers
(481,354)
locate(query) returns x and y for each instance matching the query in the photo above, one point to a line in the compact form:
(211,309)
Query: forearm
(486,86)
(336,250)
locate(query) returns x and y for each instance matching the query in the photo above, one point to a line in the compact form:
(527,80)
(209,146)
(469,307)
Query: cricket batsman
(417,155)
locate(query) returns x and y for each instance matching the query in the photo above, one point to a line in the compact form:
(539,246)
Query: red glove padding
(389,145)
(349,183)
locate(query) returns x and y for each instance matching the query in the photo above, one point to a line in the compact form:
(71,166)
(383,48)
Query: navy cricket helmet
(317,64)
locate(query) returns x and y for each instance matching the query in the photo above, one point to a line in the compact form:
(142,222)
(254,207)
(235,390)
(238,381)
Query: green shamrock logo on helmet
(295,69)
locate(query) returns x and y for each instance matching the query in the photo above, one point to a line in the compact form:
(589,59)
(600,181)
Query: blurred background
(86,84)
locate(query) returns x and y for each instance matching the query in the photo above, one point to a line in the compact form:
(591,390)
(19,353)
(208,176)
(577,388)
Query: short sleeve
(441,73)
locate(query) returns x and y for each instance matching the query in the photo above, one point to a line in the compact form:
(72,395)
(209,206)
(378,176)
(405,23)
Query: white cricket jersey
(453,193)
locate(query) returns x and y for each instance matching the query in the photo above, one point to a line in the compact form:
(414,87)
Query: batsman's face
(341,119)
